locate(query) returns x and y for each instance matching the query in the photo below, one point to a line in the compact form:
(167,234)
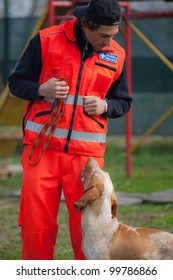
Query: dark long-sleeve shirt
(23,82)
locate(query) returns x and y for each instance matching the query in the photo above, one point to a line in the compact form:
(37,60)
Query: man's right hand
(54,88)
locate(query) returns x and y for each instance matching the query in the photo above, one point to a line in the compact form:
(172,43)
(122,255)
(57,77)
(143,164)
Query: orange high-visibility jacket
(76,132)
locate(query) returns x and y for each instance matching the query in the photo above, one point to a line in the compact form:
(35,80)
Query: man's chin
(98,48)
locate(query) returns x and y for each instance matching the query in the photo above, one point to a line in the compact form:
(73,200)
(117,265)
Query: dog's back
(130,243)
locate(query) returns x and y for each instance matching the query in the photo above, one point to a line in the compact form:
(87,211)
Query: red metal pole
(129,115)
(128,121)
(52,17)
(50,13)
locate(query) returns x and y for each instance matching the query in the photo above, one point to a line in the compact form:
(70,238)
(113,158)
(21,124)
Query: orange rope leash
(56,114)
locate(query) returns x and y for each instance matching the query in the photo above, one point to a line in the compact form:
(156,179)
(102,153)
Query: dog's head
(97,184)
(90,168)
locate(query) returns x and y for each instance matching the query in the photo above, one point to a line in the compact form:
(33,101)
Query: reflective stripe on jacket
(76,132)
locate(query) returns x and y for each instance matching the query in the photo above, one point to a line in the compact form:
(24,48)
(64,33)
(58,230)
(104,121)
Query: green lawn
(152,171)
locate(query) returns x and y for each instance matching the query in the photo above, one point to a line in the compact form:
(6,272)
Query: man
(74,78)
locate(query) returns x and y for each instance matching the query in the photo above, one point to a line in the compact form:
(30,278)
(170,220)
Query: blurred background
(139,156)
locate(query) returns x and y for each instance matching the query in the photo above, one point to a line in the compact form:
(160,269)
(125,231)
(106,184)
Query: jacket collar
(69,30)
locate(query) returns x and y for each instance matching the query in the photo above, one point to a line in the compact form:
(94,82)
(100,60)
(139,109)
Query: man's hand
(54,88)
(94,105)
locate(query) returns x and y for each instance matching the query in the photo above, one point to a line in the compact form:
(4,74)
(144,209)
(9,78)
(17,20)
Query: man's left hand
(94,105)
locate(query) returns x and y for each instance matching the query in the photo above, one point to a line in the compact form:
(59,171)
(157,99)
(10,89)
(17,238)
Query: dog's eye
(82,176)
(82,179)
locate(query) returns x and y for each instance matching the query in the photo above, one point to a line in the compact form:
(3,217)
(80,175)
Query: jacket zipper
(91,117)
(43,113)
(26,116)
(75,101)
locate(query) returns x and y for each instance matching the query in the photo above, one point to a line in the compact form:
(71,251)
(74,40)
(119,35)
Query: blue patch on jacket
(108,57)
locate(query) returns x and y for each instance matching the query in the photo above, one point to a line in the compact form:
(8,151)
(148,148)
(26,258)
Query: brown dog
(104,237)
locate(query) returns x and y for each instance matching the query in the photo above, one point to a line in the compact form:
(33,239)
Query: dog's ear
(114,205)
(89,196)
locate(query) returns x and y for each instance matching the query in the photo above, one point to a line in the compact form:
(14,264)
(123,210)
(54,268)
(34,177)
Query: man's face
(102,36)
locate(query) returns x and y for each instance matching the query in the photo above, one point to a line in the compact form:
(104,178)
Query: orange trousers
(42,185)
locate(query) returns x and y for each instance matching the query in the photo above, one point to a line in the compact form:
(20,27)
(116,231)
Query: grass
(152,171)
(152,167)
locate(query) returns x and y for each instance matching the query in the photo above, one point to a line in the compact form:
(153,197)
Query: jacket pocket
(106,66)
(94,119)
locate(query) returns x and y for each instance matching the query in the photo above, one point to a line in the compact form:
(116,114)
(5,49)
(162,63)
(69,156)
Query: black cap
(103,12)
